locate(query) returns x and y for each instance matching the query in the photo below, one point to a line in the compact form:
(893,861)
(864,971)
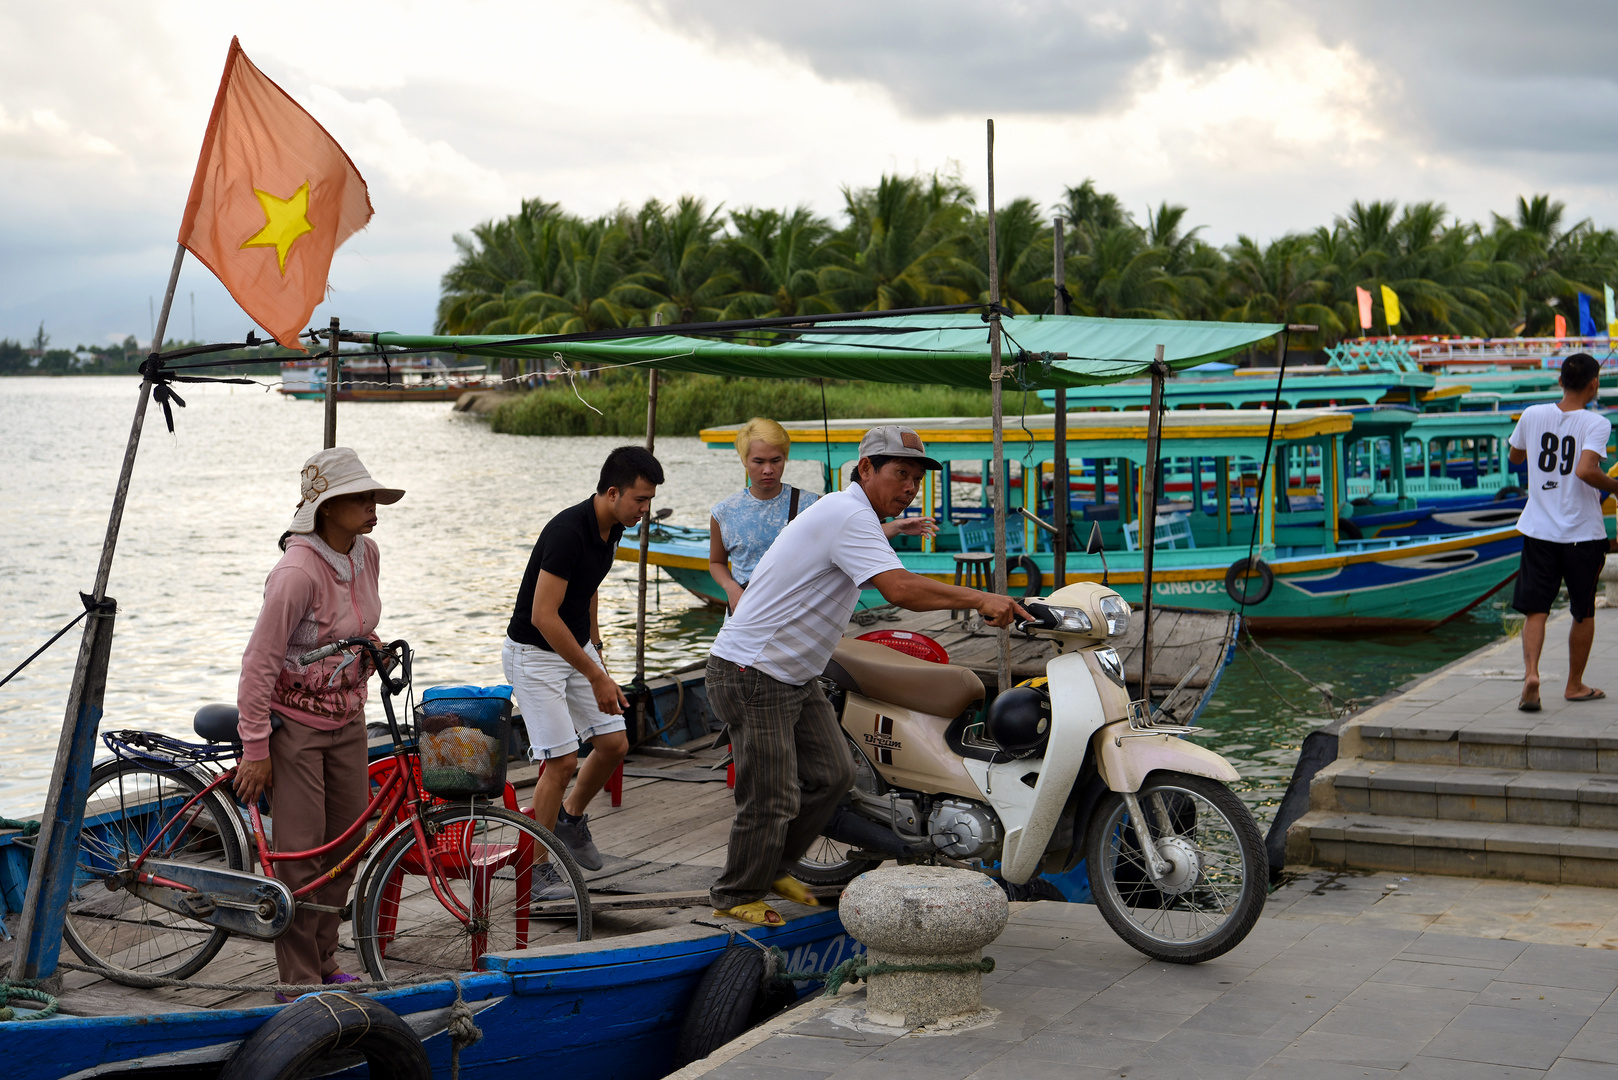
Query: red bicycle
(165,876)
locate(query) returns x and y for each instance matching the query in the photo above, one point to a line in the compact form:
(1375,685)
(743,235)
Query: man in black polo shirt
(552,653)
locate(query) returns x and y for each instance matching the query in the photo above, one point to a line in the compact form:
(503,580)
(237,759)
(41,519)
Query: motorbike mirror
(666,511)
(1093,546)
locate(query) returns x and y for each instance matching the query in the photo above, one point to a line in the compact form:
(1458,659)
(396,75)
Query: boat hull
(1409,583)
(608,1009)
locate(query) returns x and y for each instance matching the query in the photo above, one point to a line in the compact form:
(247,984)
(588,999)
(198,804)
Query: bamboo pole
(1148,521)
(50,878)
(1003,671)
(1059,487)
(645,541)
(331,386)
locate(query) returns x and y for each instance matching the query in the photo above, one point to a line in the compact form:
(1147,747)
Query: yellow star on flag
(284,221)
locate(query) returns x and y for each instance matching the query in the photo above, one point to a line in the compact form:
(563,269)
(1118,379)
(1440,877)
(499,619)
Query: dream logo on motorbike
(883,741)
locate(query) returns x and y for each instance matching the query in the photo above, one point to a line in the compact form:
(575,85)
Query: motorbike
(1055,770)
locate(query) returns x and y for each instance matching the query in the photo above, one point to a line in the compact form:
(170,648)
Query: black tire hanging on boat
(1030,568)
(1248,595)
(723,1005)
(1508,492)
(330,1028)
(1347,530)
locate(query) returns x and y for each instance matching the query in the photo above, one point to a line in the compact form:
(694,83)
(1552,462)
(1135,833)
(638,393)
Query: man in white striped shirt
(792,766)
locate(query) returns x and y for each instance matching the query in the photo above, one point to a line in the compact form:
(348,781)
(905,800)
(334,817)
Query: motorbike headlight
(1071,619)
(1116,612)
(1111,664)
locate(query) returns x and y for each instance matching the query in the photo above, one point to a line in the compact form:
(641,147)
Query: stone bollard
(923,915)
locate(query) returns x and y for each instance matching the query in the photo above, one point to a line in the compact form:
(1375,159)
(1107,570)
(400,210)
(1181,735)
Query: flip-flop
(790,888)
(1528,706)
(758,913)
(1593,695)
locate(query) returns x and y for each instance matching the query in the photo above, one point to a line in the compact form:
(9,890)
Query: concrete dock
(1298,998)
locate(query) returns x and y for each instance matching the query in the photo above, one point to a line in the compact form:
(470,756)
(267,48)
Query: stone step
(1548,853)
(1470,793)
(1558,745)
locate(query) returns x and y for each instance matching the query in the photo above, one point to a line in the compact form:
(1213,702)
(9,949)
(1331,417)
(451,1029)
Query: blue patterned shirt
(748,526)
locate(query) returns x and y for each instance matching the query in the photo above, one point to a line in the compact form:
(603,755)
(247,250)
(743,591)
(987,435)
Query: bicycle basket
(463,735)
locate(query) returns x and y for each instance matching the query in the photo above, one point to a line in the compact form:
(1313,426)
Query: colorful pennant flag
(273,197)
(1587,325)
(1390,306)
(1561,326)
(1612,313)
(1365,307)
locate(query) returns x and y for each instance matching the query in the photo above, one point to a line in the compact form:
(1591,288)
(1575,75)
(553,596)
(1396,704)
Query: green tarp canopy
(949,349)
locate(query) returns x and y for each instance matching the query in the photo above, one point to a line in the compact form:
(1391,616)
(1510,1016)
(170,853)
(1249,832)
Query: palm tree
(902,247)
(1278,283)
(506,274)
(681,262)
(1024,241)
(774,258)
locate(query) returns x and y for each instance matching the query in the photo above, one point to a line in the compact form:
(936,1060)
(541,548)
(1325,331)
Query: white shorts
(557,704)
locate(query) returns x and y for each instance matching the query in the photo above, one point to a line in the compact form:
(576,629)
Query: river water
(208,503)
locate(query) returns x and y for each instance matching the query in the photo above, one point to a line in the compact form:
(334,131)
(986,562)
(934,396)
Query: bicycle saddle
(217,722)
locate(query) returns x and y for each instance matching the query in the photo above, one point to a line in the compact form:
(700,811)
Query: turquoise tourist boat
(1314,576)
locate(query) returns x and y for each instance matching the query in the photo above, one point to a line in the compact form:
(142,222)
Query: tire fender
(1266,580)
(1125,764)
(318,1026)
(723,1004)
(1031,570)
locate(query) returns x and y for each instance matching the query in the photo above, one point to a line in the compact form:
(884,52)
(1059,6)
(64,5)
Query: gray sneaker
(548,885)
(577,838)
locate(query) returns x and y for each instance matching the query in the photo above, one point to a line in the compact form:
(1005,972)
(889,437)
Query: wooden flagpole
(645,541)
(1059,485)
(332,377)
(50,879)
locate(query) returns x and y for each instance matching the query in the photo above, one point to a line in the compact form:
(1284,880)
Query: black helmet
(1020,719)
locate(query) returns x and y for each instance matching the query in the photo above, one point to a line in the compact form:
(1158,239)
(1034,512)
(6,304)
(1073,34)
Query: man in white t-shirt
(1564,534)
(792,764)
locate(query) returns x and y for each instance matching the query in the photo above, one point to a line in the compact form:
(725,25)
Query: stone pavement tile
(1464,952)
(1427,999)
(1033,936)
(1206,1053)
(1225,1017)
(1595,1043)
(1024,1010)
(1436,975)
(1163,996)
(1308,973)
(1362,942)
(1025,1068)
(1011,958)
(1562,1000)
(1393,920)
(1438,1068)
(1103,1021)
(1312,919)
(1574,1069)
(1104,1052)
(1289,1067)
(735,1070)
(1383,1022)
(814,1053)
(1276,995)
(944,1057)
(1509,895)
(1376,1053)
(1526,1040)
(1553,965)
(1477,926)
(820,1026)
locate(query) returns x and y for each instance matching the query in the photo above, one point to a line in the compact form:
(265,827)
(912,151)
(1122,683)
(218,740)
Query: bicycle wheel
(132,804)
(487,861)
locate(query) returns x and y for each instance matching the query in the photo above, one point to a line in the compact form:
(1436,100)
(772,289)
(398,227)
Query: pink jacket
(314,596)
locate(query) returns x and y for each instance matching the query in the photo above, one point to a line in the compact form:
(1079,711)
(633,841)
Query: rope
(163,982)
(29,828)
(22,991)
(1264,468)
(856,968)
(54,638)
(463,1030)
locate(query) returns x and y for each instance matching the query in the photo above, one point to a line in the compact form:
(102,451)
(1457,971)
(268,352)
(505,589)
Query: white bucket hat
(330,473)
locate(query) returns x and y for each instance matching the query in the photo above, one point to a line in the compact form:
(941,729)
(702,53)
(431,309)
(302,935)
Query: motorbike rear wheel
(831,862)
(1219,873)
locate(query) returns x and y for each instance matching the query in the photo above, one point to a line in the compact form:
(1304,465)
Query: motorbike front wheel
(1218,872)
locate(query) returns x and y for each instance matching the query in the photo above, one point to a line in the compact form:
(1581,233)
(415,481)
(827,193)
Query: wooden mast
(998,413)
(645,540)
(1059,485)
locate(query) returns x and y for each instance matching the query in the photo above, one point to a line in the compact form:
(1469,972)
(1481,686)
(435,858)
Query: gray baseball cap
(892,441)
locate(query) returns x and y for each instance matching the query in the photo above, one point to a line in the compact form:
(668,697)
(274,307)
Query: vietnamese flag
(272,198)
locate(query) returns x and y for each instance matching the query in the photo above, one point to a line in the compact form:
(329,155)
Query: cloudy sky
(1262,116)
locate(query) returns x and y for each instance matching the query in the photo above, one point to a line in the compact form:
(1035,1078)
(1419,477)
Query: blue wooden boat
(603,1010)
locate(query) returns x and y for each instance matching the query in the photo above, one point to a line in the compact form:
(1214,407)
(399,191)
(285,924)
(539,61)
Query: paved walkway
(1299,998)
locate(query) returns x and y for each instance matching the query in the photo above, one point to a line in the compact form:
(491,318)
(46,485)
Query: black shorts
(1547,564)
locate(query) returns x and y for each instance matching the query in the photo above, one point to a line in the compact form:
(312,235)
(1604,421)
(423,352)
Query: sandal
(1524,705)
(790,888)
(1592,695)
(758,913)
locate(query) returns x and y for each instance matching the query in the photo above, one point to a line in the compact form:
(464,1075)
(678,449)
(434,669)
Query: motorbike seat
(217,723)
(884,674)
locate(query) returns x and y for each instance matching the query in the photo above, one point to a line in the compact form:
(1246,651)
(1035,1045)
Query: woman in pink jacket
(313,765)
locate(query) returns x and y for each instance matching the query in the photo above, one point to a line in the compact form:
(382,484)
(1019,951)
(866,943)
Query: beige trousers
(318,789)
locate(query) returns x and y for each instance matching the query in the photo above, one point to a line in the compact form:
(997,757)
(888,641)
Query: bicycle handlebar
(321,653)
(395,650)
